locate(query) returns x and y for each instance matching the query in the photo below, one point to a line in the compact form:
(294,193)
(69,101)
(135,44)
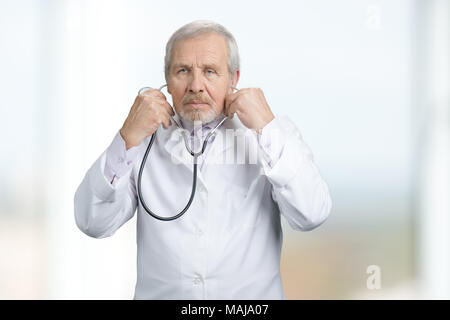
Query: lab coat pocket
(243,204)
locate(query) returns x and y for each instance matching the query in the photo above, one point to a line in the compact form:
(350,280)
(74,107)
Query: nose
(196,84)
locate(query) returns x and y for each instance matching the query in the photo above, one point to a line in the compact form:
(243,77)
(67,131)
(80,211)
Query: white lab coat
(228,244)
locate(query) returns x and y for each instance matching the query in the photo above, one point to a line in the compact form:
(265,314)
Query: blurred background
(366,82)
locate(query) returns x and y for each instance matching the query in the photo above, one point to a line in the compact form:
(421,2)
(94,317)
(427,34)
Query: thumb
(229,98)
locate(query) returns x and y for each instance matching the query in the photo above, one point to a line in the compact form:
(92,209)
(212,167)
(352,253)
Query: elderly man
(227,245)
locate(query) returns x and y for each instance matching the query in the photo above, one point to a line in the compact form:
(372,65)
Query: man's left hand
(251,107)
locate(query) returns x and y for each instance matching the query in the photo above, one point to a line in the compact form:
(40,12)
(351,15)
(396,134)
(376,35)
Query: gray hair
(192,29)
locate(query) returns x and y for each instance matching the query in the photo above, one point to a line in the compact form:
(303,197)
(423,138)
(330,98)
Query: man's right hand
(148,112)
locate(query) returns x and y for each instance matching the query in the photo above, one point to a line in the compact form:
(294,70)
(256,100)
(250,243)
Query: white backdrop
(342,70)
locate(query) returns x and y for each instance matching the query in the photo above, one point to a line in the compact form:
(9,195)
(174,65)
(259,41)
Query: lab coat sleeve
(119,160)
(101,207)
(302,195)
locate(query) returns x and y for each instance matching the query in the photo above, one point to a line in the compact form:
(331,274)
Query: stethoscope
(194,154)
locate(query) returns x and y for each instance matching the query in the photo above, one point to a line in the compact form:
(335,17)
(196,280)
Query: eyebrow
(207,65)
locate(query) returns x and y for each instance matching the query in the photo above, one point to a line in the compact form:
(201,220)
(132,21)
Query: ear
(169,87)
(235,78)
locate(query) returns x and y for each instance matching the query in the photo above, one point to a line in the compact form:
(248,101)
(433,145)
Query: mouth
(197,104)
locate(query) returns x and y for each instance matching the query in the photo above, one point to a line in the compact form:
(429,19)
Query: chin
(203,116)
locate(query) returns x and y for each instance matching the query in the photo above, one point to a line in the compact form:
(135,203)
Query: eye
(182,70)
(209,71)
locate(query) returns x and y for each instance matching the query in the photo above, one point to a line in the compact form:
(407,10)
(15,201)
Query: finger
(161,95)
(166,121)
(230,99)
(158,104)
(146,91)
(231,109)
(169,109)
(166,108)
(143,91)
(164,116)
(153,93)
(161,103)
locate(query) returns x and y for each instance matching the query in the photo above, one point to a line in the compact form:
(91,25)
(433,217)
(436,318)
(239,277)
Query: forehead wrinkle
(206,59)
(209,56)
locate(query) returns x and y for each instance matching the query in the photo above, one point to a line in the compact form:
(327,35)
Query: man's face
(199,78)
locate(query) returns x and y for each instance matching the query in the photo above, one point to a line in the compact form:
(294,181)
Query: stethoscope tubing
(194,154)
